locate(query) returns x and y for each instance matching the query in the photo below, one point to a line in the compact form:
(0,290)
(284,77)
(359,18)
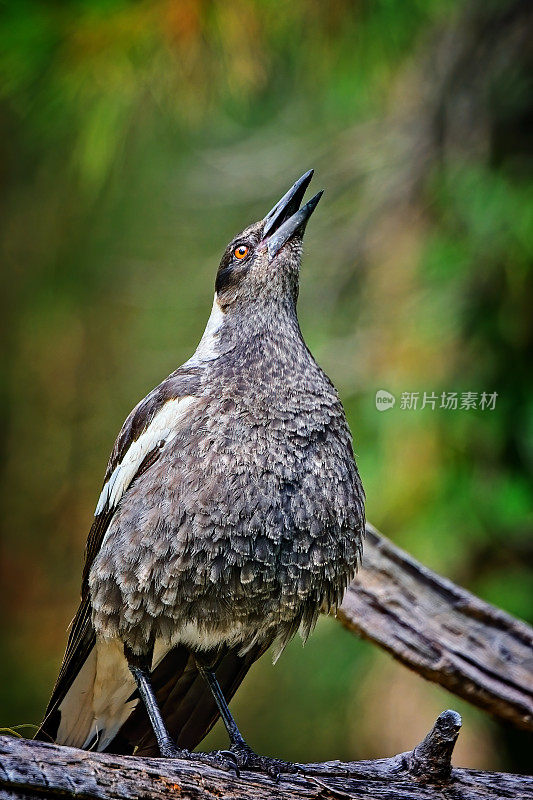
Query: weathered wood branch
(30,769)
(435,627)
(441,631)
(427,622)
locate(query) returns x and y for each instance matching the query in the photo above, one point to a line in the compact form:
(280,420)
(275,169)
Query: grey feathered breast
(250,519)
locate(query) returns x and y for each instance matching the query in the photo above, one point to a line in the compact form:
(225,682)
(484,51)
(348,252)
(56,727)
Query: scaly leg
(246,758)
(167,748)
(140,669)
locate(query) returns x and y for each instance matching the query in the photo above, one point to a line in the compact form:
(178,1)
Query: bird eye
(241,251)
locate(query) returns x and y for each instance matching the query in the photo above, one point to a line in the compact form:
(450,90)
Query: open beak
(287,218)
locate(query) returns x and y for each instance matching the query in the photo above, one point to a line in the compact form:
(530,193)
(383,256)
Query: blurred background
(136,139)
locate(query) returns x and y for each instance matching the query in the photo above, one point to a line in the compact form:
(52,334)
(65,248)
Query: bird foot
(247,759)
(238,757)
(219,759)
(169,750)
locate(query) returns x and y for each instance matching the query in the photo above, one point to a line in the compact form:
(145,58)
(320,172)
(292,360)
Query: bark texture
(433,626)
(31,769)
(441,631)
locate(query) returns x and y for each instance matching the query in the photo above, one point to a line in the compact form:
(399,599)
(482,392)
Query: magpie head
(262,263)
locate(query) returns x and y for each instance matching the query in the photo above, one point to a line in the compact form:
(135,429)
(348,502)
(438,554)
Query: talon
(227,756)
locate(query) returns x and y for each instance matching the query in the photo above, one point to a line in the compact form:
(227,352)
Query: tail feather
(77,669)
(97,702)
(76,708)
(101,710)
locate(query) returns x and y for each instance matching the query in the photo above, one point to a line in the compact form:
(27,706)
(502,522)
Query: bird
(232,514)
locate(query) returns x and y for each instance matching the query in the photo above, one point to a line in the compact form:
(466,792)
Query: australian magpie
(231,515)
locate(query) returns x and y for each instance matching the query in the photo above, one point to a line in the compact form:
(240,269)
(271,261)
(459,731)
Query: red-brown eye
(241,251)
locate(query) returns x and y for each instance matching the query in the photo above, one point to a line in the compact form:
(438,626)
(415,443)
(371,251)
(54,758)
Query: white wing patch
(162,429)
(164,424)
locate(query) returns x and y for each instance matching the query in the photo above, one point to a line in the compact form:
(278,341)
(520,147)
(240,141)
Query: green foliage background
(137,138)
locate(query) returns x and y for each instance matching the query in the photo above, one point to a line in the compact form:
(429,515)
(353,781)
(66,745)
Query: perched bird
(231,514)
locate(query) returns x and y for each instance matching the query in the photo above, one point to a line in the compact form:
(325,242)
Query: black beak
(287,218)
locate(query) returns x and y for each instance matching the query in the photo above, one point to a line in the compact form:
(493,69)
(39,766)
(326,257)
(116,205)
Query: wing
(152,423)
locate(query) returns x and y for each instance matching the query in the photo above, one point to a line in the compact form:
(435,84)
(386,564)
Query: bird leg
(140,669)
(246,758)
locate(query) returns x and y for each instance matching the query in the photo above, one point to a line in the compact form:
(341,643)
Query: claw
(241,757)
(273,772)
(227,755)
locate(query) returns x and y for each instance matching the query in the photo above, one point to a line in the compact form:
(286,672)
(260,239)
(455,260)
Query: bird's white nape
(207,349)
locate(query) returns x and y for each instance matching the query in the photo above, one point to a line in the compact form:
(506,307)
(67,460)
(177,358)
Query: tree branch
(427,622)
(30,769)
(441,631)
